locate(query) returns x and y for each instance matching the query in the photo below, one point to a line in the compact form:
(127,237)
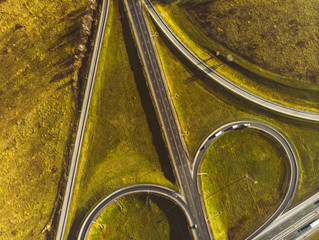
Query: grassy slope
(256,82)
(243,204)
(122,145)
(279,36)
(203,106)
(37,44)
(142,217)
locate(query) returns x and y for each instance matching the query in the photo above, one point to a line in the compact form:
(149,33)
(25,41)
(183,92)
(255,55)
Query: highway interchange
(279,138)
(167,116)
(189,200)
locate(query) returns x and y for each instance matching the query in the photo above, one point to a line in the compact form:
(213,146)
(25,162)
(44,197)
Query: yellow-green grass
(202,106)
(142,217)
(314,237)
(123,144)
(289,92)
(243,205)
(37,111)
(280,37)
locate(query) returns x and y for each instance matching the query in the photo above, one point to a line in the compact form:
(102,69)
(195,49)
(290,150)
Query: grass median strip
(203,106)
(234,202)
(123,143)
(281,89)
(140,216)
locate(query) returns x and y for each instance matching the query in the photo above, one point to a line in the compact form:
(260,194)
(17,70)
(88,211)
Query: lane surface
(267,104)
(141,188)
(82,121)
(278,137)
(167,116)
(288,224)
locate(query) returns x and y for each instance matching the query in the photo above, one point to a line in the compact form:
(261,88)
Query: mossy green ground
(142,217)
(37,110)
(184,21)
(202,106)
(123,144)
(243,205)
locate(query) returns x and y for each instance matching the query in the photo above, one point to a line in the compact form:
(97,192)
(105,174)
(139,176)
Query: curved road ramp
(201,65)
(141,188)
(274,134)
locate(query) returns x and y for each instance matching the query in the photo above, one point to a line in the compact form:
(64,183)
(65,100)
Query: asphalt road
(167,116)
(193,205)
(82,121)
(276,135)
(287,225)
(292,232)
(141,188)
(264,103)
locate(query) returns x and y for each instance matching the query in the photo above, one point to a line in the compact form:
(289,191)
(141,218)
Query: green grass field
(202,106)
(281,89)
(123,144)
(243,205)
(38,111)
(142,217)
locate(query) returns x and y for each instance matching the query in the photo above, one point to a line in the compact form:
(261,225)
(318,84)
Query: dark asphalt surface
(287,226)
(278,137)
(166,114)
(125,191)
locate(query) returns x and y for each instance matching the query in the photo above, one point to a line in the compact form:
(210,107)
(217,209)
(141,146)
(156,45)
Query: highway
(262,102)
(190,200)
(82,121)
(166,115)
(287,225)
(141,188)
(278,137)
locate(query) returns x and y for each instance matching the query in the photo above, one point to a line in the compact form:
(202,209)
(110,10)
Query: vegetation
(186,20)
(242,204)
(202,106)
(38,41)
(314,237)
(142,217)
(279,37)
(123,144)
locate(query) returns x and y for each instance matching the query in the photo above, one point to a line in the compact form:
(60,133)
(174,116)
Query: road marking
(167,111)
